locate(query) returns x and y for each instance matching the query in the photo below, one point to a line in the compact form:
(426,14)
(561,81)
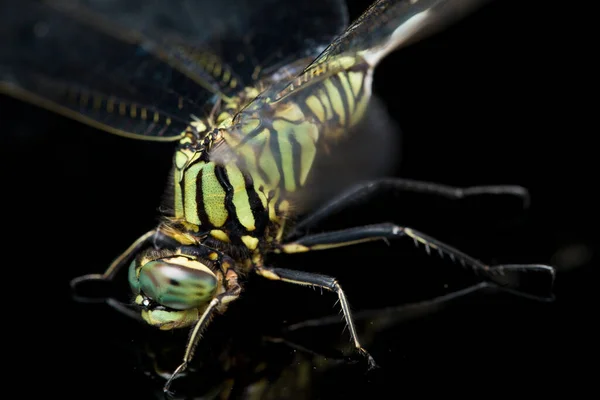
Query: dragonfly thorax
(219,200)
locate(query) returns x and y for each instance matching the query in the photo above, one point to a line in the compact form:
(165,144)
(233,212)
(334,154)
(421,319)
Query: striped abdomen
(278,137)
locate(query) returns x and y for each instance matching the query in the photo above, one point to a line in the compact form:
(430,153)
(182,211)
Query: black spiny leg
(506,277)
(322,281)
(118,263)
(366,191)
(231,293)
(154,237)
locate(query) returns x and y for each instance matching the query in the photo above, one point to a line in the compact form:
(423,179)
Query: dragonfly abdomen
(278,147)
(285,145)
(339,101)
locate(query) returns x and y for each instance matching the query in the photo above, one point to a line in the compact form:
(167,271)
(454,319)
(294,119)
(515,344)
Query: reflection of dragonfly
(258,95)
(287,365)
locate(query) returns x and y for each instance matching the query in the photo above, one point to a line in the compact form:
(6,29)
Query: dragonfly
(255,95)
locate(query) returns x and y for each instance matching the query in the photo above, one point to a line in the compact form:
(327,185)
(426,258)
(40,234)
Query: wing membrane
(140,69)
(120,84)
(238,41)
(391,24)
(296,122)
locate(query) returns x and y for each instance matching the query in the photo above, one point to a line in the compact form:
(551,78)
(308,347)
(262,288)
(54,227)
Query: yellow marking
(269,275)
(144,113)
(251,92)
(317,70)
(294,248)
(261,194)
(348,90)
(110,105)
(190,202)
(267,161)
(217,71)
(190,227)
(213,196)
(316,107)
(240,199)
(185,140)
(168,121)
(326,104)
(220,235)
(133,111)
(213,256)
(168,319)
(223,117)
(198,125)
(226,76)
(178,196)
(250,242)
(250,124)
(272,202)
(186,261)
(336,100)
(356,81)
(272,212)
(306,134)
(122,108)
(32,98)
(248,154)
(139,299)
(184,238)
(156,116)
(233,83)
(328,246)
(284,206)
(285,151)
(290,111)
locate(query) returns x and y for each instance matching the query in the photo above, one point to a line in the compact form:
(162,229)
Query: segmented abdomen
(279,138)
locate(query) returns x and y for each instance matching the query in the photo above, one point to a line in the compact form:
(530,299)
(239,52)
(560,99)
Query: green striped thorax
(174,287)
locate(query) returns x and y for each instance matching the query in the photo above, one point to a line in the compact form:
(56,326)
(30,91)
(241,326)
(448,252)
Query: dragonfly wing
(110,79)
(143,69)
(237,41)
(388,25)
(289,127)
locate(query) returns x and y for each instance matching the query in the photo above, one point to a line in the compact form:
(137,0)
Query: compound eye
(178,282)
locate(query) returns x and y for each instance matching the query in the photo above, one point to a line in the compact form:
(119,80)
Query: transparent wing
(108,78)
(390,24)
(253,37)
(141,69)
(289,127)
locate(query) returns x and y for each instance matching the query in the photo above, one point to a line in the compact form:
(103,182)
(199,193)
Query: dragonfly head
(173,287)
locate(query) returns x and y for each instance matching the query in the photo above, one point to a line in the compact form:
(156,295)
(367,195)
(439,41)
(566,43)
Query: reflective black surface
(483,103)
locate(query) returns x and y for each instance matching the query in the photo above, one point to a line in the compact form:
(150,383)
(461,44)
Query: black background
(490,101)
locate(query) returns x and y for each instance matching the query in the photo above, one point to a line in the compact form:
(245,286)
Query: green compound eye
(177,286)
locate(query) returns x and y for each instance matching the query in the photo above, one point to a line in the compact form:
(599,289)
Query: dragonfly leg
(506,277)
(364,192)
(322,281)
(388,316)
(154,237)
(118,263)
(231,293)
